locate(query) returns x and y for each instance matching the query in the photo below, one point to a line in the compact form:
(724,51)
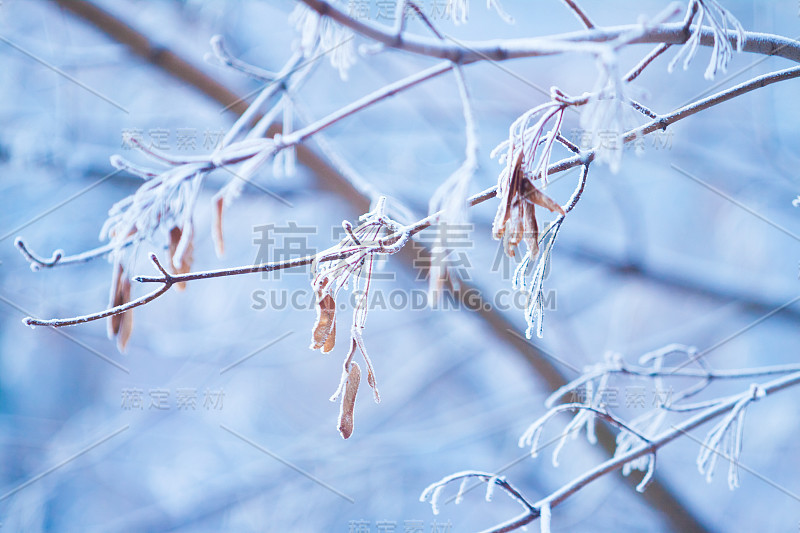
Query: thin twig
(739,373)
(605,415)
(639,68)
(579,13)
(223,55)
(683,112)
(59,259)
(372,98)
(168,281)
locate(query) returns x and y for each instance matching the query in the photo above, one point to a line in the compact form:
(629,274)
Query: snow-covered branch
(639,440)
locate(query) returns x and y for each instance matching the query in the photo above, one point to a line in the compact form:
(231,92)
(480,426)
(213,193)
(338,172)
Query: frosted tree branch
(586,40)
(728,432)
(253,140)
(583,158)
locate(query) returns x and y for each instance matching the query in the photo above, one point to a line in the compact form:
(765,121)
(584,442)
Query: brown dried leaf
(504,210)
(530,229)
(323,333)
(515,220)
(219,241)
(126,327)
(533,194)
(349,401)
(175,235)
(120,295)
(174,238)
(330,342)
(121,325)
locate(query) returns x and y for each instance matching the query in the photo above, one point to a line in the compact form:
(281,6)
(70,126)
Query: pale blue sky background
(454,396)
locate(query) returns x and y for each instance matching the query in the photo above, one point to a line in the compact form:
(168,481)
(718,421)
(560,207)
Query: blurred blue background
(649,257)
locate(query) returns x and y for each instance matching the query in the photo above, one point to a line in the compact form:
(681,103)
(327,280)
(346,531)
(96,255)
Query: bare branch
(59,259)
(167,281)
(579,13)
(639,68)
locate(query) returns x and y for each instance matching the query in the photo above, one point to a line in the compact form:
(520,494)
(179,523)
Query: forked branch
(585,157)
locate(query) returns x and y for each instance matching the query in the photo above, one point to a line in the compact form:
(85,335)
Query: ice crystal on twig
(725,440)
(450,198)
(458,11)
(725,28)
(321,35)
(609,112)
(433,492)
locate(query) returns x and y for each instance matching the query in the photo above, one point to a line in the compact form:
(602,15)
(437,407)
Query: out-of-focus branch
(151,52)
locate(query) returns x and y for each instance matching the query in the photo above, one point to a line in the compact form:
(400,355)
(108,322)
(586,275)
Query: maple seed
(349,401)
(331,340)
(324,333)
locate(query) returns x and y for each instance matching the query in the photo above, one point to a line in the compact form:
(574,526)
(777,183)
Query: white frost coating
(508,19)
(720,20)
(573,385)
(558,449)
(490,487)
(461,487)
(322,34)
(532,434)
(457,10)
(432,492)
(545,517)
(725,439)
(608,111)
(658,355)
(435,499)
(614,360)
(591,435)
(648,476)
